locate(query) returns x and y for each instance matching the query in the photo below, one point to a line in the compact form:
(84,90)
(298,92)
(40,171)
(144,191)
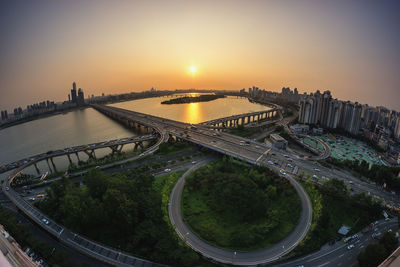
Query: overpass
(237,147)
(252,119)
(89,149)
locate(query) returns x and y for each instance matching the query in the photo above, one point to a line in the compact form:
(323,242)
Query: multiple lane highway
(241,148)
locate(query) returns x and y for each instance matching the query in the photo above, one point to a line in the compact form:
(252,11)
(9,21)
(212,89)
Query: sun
(193,69)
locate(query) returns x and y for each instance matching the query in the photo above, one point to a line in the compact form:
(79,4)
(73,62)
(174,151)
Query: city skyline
(348,48)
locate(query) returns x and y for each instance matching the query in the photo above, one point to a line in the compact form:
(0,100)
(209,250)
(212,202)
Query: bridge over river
(234,146)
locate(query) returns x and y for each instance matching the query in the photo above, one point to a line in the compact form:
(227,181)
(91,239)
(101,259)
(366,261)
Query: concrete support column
(48,165)
(37,168)
(52,163)
(69,158)
(77,156)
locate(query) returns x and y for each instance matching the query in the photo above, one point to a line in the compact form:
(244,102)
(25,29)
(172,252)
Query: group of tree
(378,173)
(332,204)
(375,253)
(121,210)
(192,99)
(246,194)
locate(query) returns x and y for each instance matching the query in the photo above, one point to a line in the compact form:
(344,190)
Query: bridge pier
(140,144)
(48,165)
(37,168)
(69,158)
(90,153)
(77,156)
(52,163)
(116,149)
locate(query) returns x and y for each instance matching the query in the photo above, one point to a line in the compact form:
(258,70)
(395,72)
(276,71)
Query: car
(390,230)
(45,221)
(317,170)
(290,165)
(257,147)
(351,182)
(97,167)
(7,188)
(315,176)
(375,235)
(350,246)
(270,162)
(167,170)
(355,236)
(194,162)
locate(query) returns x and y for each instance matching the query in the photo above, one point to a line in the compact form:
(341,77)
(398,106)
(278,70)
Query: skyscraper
(73,93)
(81,98)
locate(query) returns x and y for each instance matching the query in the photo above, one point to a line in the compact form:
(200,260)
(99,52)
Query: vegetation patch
(244,131)
(122,210)
(193,99)
(332,207)
(239,207)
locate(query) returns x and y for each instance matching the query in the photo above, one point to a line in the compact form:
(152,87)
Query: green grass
(220,226)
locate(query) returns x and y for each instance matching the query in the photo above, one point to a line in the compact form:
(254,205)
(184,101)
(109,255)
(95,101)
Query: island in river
(192,99)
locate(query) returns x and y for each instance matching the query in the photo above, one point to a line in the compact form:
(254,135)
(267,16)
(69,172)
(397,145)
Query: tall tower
(81,98)
(73,93)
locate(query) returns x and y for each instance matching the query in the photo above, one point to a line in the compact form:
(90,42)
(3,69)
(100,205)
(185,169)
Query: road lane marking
(326,263)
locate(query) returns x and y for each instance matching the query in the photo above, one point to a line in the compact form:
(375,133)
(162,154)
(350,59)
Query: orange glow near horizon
(133,46)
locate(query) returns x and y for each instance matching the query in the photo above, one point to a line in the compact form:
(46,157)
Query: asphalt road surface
(339,254)
(261,256)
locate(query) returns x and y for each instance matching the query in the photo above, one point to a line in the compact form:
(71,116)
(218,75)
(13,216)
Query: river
(87,126)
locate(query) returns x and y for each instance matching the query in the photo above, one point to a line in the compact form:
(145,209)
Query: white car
(350,246)
(167,170)
(45,221)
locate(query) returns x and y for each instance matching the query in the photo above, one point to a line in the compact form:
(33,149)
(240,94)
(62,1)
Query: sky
(351,48)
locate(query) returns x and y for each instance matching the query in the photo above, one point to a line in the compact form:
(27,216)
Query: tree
(372,256)
(389,241)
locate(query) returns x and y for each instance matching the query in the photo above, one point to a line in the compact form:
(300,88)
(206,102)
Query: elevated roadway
(237,147)
(112,144)
(250,258)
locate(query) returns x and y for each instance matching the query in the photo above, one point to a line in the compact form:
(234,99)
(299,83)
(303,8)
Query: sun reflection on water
(193,113)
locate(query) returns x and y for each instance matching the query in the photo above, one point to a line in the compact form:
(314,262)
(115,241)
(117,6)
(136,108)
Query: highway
(237,147)
(250,258)
(76,149)
(339,254)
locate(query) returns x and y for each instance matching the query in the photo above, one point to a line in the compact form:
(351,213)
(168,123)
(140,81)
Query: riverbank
(39,116)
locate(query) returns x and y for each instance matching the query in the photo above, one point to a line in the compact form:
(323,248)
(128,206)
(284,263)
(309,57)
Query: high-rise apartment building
(322,109)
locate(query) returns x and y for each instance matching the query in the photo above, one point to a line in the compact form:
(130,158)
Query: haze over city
(200,133)
(348,47)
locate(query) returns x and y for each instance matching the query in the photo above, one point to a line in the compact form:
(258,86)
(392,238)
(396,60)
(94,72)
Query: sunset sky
(349,47)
